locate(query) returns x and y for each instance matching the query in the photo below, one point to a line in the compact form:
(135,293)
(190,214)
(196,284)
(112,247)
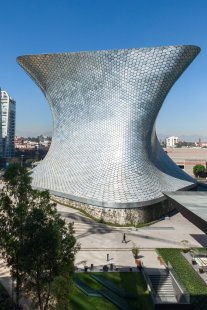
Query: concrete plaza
(97,239)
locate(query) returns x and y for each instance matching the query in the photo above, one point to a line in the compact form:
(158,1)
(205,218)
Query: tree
(199,170)
(185,144)
(48,251)
(61,288)
(36,243)
(14,202)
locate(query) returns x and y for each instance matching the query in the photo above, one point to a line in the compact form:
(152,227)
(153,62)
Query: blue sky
(43,26)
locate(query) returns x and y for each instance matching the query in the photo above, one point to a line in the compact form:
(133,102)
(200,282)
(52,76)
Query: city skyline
(58,26)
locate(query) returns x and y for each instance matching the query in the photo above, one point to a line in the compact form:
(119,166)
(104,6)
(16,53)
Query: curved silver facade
(104,104)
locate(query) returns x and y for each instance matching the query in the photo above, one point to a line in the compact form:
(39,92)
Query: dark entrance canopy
(193,205)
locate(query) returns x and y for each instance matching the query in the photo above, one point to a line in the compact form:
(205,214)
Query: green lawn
(191,280)
(132,282)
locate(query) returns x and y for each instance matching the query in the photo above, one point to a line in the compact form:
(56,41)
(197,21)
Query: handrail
(149,286)
(178,282)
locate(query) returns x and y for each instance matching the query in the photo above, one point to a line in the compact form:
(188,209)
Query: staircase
(162,286)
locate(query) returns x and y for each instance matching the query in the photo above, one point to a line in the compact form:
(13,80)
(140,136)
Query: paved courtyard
(97,239)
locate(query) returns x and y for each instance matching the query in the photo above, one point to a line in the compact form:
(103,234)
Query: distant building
(201,143)
(21,143)
(45,141)
(30,144)
(18,141)
(171,141)
(187,158)
(8,107)
(1,142)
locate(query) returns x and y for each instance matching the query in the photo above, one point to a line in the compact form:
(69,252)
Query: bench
(201,262)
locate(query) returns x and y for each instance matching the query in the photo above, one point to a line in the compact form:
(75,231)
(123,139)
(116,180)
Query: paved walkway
(97,240)
(165,233)
(121,259)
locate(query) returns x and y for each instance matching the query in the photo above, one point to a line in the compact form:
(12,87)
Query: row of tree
(185,144)
(179,144)
(38,246)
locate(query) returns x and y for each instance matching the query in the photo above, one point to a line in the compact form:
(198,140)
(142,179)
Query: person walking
(124,238)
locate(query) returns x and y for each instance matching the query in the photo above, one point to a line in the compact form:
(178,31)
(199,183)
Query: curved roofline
(111,50)
(113,205)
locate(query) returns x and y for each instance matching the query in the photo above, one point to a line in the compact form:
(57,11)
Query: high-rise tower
(1,145)
(8,111)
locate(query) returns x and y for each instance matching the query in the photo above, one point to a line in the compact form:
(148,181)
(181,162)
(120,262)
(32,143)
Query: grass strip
(187,275)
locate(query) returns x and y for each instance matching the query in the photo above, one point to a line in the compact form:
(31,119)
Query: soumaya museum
(105,156)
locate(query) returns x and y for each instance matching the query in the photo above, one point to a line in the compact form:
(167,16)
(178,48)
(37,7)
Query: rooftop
(193,205)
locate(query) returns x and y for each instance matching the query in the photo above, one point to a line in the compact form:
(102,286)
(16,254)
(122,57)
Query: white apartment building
(8,109)
(1,141)
(172,141)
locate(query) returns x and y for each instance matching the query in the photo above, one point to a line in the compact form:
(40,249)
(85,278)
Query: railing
(149,285)
(182,295)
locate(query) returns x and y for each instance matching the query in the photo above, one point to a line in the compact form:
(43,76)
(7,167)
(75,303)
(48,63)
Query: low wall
(120,216)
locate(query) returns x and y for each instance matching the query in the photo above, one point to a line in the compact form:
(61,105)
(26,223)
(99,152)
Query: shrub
(135,252)
(199,170)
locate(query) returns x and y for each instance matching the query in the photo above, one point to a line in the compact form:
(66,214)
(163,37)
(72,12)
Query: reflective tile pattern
(104,104)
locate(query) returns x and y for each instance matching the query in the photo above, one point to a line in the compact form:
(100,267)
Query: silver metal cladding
(104,149)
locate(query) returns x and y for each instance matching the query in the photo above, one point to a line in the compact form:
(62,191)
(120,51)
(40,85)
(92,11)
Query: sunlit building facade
(104,150)
(8,110)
